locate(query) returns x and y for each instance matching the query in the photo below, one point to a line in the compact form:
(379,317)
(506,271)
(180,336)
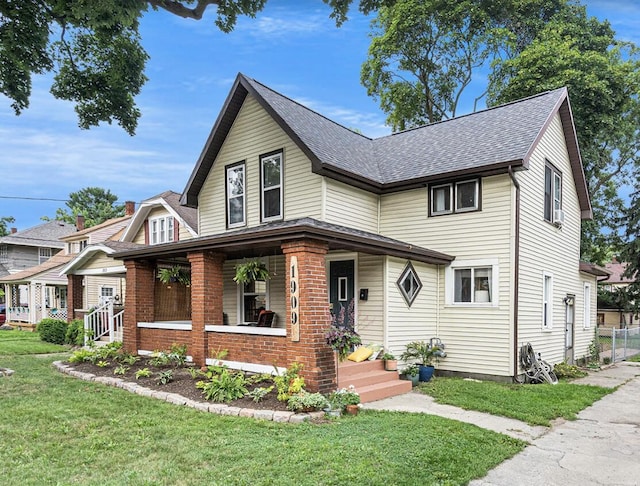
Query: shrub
(565,370)
(307,402)
(75,333)
(52,330)
(290,382)
(225,387)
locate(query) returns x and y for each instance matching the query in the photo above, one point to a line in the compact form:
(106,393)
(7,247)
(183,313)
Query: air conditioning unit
(558,217)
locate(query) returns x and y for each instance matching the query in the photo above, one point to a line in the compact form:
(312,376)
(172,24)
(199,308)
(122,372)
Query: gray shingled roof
(480,143)
(189,215)
(44,235)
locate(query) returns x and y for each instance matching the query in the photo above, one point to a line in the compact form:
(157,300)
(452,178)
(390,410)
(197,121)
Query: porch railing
(18,314)
(103,321)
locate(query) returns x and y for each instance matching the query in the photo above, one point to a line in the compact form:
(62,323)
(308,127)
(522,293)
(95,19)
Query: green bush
(52,330)
(566,370)
(75,333)
(225,387)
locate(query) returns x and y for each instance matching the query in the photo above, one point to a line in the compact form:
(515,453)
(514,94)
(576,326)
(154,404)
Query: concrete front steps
(371,380)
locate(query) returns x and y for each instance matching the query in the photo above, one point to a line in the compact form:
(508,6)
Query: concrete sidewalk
(601,447)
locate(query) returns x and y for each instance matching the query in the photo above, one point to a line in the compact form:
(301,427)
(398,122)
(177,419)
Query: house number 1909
(294,299)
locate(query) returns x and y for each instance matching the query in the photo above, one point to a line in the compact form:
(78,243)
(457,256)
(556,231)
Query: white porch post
(112,323)
(32,302)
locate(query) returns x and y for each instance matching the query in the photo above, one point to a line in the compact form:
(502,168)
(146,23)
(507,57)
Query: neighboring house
(467,230)
(610,314)
(41,291)
(95,278)
(24,249)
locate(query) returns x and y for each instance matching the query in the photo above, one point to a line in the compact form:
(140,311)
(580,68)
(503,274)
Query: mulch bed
(182,383)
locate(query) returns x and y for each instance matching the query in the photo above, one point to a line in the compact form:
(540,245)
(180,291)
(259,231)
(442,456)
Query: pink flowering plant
(341,336)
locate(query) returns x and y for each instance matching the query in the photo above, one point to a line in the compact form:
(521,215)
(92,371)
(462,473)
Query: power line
(34,198)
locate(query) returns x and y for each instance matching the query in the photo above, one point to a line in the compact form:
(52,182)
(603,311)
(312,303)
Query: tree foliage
(4,221)
(94,49)
(94,203)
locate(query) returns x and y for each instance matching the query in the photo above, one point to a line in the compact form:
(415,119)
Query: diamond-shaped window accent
(409,284)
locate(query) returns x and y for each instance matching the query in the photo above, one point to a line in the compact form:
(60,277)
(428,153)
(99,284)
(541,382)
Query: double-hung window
(4,254)
(552,192)
(235,195)
(44,254)
(254,300)
(547,301)
(161,230)
(455,197)
(271,186)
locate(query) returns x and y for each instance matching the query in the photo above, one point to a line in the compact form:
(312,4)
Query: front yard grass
(26,342)
(60,430)
(533,404)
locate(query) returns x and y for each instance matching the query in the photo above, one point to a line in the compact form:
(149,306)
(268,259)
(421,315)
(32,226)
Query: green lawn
(56,429)
(534,404)
(26,342)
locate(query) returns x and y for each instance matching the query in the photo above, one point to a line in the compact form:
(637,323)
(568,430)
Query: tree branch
(177,8)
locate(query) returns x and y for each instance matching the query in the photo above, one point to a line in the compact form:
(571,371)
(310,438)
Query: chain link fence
(618,344)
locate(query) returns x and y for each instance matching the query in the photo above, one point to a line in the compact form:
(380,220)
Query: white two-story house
(467,230)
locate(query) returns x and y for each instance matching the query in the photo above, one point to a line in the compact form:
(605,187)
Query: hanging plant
(175,274)
(251,271)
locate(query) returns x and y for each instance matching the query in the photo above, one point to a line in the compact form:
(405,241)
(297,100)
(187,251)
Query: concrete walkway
(601,447)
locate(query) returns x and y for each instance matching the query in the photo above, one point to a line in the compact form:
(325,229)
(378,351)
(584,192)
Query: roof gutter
(516,273)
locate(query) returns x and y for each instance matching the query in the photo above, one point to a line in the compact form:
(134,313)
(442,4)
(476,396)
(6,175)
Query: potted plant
(342,340)
(250,271)
(424,353)
(345,399)
(390,362)
(174,274)
(410,373)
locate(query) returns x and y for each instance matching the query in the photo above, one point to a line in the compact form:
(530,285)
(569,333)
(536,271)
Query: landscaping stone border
(174,398)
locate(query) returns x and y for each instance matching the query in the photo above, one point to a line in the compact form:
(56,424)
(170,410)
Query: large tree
(94,49)
(603,79)
(425,53)
(94,203)
(4,230)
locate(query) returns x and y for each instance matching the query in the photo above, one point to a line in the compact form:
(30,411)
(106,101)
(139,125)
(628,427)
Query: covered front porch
(222,315)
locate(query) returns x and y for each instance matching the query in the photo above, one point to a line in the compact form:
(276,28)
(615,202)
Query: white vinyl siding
(545,247)
(254,133)
(94,284)
(349,206)
(370,321)
(478,332)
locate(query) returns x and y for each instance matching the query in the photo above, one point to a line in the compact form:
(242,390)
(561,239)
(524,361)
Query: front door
(569,327)
(341,292)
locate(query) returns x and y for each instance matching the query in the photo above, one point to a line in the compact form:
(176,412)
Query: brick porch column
(206,299)
(74,295)
(140,303)
(313,315)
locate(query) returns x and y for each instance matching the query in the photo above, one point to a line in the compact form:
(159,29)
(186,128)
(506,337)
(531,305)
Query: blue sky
(292,47)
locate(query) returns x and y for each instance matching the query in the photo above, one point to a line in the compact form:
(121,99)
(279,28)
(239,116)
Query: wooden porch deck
(371,380)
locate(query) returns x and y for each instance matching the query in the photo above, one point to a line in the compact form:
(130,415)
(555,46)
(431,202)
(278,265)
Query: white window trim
(453,198)
(449,278)
(556,199)
(240,299)
(586,311)
(42,257)
(155,237)
(4,253)
(263,189)
(549,308)
(229,197)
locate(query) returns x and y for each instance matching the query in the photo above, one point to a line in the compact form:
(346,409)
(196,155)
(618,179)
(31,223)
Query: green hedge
(75,333)
(52,330)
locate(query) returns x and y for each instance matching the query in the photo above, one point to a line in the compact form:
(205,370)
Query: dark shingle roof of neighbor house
(44,235)
(248,240)
(485,142)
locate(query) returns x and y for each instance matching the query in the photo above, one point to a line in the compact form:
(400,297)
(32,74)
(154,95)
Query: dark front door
(341,292)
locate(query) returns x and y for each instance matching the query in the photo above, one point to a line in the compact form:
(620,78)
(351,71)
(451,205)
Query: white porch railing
(18,314)
(102,322)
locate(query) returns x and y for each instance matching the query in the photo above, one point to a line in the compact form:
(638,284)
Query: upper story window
(235,190)
(44,254)
(4,254)
(271,186)
(162,230)
(552,194)
(455,197)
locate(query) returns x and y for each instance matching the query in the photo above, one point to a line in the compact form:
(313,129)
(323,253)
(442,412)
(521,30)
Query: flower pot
(391,364)
(414,379)
(352,409)
(425,373)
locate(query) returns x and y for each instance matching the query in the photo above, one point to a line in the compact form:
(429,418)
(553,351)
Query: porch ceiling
(266,240)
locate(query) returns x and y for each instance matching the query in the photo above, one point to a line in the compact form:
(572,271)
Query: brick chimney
(79,222)
(14,230)
(129,208)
